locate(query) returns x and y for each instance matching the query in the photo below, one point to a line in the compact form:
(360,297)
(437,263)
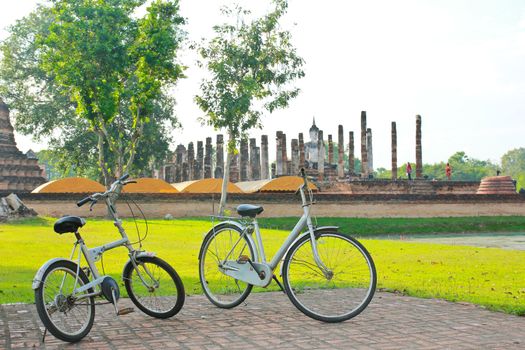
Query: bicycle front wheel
(335,295)
(154,287)
(223,243)
(68,316)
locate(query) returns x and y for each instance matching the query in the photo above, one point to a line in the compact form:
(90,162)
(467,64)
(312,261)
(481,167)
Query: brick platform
(269,320)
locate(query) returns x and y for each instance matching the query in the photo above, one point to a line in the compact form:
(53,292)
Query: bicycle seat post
(259,239)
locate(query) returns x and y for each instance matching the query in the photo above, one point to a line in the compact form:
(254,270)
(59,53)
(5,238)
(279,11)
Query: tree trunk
(225,180)
(101,159)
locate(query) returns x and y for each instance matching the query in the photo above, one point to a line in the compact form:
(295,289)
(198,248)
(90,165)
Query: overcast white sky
(459,64)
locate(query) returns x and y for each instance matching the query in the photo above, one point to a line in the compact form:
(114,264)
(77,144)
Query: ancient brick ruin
(18,172)
(252,161)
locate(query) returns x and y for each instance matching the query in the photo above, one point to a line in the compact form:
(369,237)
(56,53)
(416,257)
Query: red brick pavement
(269,320)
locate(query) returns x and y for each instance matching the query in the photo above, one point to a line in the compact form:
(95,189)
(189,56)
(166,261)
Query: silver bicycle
(65,292)
(328,275)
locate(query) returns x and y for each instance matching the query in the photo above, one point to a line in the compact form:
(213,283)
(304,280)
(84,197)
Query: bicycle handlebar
(303,175)
(84,201)
(94,197)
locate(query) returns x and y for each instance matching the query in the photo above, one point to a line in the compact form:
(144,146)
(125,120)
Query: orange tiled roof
(70,185)
(149,185)
(285,184)
(205,186)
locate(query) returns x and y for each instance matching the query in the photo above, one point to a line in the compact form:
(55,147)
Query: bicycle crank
(247,271)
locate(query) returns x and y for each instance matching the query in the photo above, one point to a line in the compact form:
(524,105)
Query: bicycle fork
(327,272)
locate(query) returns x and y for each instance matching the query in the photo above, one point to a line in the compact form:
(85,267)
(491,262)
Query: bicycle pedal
(243,259)
(125,311)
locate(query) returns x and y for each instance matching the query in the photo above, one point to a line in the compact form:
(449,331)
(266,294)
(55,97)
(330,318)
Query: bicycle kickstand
(278,283)
(123,311)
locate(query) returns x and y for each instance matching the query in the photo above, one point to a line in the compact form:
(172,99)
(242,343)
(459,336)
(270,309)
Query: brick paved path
(269,320)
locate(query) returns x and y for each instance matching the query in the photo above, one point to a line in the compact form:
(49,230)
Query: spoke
(338,295)
(310,266)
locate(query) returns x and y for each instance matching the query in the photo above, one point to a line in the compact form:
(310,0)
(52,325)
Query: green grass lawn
(402,226)
(491,277)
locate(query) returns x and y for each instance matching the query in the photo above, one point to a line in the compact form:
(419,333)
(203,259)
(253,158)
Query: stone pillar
(178,173)
(301,150)
(185,175)
(191,162)
(364,155)
(245,160)
(419,151)
(351,157)
(255,161)
(179,160)
(256,175)
(279,153)
(219,162)
(295,157)
(285,155)
(273,172)
(321,155)
(199,163)
(341,152)
(207,159)
(265,169)
(394,151)
(234,168)
(330,150)
(370,155)
(169,174)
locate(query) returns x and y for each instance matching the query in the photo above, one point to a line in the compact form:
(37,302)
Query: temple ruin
(18,172)
(323,159)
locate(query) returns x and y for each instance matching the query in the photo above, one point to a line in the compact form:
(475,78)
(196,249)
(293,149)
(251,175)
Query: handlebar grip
(124,177)
(83,201)
(303,173)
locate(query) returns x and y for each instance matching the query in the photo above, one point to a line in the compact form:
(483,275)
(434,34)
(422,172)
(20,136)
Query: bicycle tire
(222,289)
(43,311)
(152,301)
(311,290)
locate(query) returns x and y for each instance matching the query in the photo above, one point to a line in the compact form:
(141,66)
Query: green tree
(464,168)
(251,64)
(513,164)
(93,67)
(467,168)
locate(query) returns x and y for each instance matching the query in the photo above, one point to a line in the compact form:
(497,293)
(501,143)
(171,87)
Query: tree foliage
(252,64)
(84,71)
(513,164)
(464,168)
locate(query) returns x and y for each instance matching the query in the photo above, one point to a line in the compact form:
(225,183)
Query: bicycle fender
(325,229)
(37,280)
(317,231)
(227,223)
(137,256)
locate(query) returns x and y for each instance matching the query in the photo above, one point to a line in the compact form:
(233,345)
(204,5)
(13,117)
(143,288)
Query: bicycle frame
(304,221)
(94,254)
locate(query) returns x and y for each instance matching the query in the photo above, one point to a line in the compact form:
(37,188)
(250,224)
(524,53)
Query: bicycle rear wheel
(154,287)
(218,246)
(343,292)
(67,316)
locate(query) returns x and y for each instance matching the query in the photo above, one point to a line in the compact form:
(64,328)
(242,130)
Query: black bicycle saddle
(68,224)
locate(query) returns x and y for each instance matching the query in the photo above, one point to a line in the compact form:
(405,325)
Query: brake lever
(299,189)
(92,205)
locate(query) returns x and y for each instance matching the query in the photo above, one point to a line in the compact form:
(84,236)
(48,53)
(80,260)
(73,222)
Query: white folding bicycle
(65,294)
(327,275)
